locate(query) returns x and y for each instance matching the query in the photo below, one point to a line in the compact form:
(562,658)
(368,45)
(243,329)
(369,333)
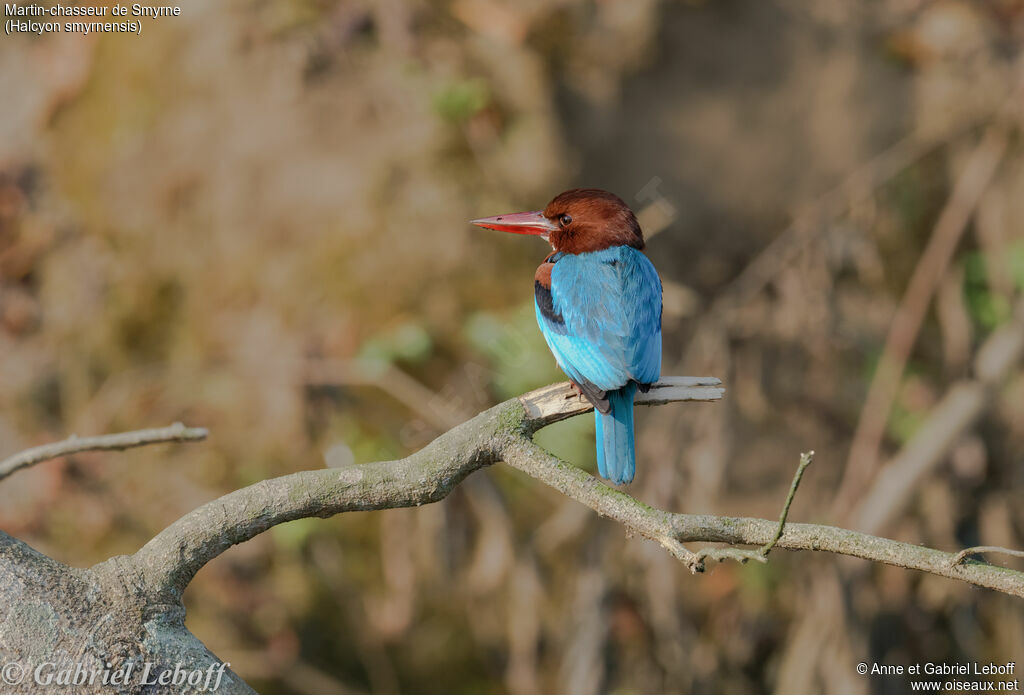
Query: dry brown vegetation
(253,219)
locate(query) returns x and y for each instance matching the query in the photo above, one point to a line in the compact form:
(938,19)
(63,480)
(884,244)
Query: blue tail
(616,455)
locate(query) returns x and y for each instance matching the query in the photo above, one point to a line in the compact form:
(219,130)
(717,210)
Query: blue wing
(602,320)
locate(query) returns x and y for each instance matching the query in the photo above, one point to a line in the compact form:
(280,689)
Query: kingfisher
(598,304)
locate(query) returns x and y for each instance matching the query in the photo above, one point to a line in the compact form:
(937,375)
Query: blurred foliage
(461,101)
(254,219)
(989,308)
(408,342)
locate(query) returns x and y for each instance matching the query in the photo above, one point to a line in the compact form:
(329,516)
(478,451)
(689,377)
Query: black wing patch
(597,397)
(542,292)
(546,304)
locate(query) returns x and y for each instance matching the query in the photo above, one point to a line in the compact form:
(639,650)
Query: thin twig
(805,461)
(978,549)
(679,551)
(743,555)
(107,442)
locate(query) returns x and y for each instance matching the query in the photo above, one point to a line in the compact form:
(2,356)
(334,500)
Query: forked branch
(504,433)
(168,562)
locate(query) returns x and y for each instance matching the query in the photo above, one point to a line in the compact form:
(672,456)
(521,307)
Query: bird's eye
(565,220)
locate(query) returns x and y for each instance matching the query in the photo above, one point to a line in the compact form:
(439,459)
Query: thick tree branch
(107,442)
(169,561)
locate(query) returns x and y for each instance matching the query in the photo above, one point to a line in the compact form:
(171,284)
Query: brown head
(580,220)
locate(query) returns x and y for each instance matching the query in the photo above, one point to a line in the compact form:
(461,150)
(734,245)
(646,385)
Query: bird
(598,303)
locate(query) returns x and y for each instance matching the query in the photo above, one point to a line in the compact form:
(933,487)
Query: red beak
(519,223)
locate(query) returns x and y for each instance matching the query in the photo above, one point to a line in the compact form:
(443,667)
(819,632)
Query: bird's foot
(577,392)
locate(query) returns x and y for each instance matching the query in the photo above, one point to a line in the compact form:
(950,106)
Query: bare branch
(671,530)
(107,442)
(169,561)
(558,402)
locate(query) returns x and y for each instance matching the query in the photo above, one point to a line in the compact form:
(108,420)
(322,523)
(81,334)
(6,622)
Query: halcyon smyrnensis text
(598,301)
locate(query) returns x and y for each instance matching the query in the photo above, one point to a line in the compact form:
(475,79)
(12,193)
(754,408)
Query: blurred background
(253,218)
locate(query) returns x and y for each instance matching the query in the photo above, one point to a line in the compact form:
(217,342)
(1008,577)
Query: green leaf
(460,101)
